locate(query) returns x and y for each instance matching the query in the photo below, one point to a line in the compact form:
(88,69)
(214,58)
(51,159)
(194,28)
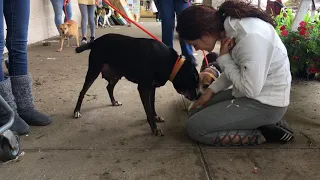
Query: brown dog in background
(67,30)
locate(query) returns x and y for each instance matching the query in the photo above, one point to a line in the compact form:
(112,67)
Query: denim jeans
(58,8)
(168,9)
(16,13)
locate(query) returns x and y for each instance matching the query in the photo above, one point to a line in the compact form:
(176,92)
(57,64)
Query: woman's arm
(253,55)
(221,83)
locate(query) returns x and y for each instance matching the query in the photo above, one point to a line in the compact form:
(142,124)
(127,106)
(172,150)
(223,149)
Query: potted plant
(303,46)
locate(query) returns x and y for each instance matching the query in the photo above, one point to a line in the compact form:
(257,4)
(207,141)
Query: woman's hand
(204,98)
(226,45)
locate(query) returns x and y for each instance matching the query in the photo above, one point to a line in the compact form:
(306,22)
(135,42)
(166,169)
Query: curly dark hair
(196,21)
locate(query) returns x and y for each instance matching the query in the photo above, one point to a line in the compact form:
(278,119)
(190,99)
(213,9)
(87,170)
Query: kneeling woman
(254,62)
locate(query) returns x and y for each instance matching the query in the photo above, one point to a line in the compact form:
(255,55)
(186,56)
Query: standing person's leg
(84,21)
(69,11)
(16,13)
(166,9)
(91,9)
(57,8)
(157,5)
(186,49)
(19,125)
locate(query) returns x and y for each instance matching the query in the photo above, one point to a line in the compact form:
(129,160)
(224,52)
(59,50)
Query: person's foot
(35,118)
(22,91)
(91,39)
(279,132)
(19,125)
(84,40)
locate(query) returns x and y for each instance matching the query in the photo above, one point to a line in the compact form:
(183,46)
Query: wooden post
(302,11)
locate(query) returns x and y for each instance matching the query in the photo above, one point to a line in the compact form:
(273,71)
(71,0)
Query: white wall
(41,24)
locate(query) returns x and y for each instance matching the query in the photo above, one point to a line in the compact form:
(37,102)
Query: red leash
(140,27)
(65,3)
(128,19)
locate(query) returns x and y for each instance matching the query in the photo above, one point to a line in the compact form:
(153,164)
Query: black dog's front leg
(145,93)
(152,98)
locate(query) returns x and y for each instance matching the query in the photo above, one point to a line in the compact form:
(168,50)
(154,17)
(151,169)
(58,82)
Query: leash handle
(65,3)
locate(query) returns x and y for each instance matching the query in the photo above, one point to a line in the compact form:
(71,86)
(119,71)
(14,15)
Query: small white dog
(105,13)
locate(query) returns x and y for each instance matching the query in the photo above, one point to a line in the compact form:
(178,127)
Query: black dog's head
(186,82)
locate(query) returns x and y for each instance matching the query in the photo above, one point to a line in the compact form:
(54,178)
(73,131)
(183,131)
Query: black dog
(146,62)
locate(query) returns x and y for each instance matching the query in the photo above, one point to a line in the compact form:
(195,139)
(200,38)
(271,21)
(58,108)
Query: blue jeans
(16,13)
(58,8)
(167,9)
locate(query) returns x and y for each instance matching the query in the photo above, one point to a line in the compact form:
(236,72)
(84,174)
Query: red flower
(311,27)
(284,32)
(296,58)
(282,28)
(313,70)
(303,24)
(294,39)
(302,32)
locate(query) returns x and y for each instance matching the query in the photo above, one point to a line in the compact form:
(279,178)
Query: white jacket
(258,66)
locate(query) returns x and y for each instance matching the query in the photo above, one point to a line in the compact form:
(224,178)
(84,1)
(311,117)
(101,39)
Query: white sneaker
(84,41)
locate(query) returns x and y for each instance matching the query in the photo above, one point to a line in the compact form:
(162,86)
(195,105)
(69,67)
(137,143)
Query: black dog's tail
(84,47)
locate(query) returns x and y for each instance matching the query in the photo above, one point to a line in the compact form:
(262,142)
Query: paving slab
(111,164)
(264,164)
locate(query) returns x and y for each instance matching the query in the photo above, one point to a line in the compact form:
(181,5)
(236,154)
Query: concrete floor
(115,143)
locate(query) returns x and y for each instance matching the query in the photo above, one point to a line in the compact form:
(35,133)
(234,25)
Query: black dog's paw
(159,119)
(158,132)
(77,114)
(116,103)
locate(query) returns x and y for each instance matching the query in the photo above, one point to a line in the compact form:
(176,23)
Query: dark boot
(22,91)
(19,125)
